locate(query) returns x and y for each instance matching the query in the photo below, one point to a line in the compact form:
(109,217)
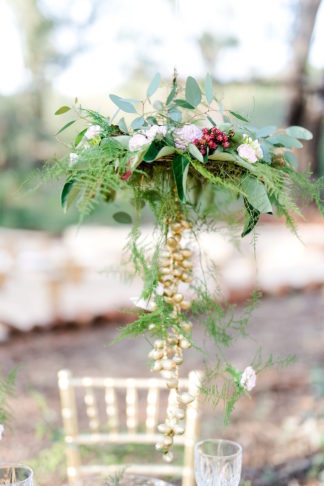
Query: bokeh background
(61,298)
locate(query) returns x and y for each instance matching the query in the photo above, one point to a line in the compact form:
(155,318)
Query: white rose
(138,141)
(247,152)
(185,135)
(73,158)
(156,131)
(1,430)
(92,132)
(148,305)
(248,379)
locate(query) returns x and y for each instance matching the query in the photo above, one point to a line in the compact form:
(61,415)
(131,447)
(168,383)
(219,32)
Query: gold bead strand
(175,267)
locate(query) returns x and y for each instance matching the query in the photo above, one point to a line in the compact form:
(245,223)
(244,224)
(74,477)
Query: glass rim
(226,441)
(18,466)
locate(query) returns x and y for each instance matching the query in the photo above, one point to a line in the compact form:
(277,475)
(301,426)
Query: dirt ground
(281,423)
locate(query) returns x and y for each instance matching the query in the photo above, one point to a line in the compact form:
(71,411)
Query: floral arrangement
(195,164)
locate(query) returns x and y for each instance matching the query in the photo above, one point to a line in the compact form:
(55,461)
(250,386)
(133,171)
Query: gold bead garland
(175,267)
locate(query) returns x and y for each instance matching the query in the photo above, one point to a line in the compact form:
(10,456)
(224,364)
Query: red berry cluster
(213,138)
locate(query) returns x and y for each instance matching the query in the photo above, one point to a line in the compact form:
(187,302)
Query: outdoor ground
(281,423)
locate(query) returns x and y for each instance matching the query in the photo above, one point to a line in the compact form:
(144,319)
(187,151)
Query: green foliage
(7,386)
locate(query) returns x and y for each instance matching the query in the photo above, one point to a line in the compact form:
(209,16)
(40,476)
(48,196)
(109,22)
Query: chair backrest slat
(112,409)
(91,407)
(131,406)
(152,408)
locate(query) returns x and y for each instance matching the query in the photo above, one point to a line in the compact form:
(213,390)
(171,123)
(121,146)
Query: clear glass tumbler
(16,475)
(218,463)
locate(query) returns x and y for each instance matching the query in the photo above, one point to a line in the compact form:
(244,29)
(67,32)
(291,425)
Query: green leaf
(123,140)
(209,89)
(266,153)
(291,159)
(153,86)
(252,216)
(238,116)
(122,217)
(158,105)
(299,132)
(184,104)
(282,140)
(122,104)
(122,125)
(265,131)
(151,152)
(79,137)
(221,156)
(138,122)
(69,193)
(62,110)
(193,92)
(165,151)
(171,94)
(211,121)
(180,167)
(175,114)
(195,152)
(65,127)
(256,194)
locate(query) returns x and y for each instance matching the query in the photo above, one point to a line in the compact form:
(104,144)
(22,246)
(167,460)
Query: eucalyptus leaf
(62,110)
(158,105)
(122,217)
(238,116)
(209,89)
(212,122)
(291,159)
(265,131)
(195,152)
(138,122)
(153,86)
(282,140)
(175,114)
(69,193)
(180,167)
(193,92)
(122,125)
(184,104)
(256,194)
(171,94)
(122,104)
(65,127)
(123,140)
(266,152)
(299,132)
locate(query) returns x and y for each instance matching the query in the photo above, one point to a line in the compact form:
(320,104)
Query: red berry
(220,138)
(196,141)
(203,151)
(226,144)
(205,130)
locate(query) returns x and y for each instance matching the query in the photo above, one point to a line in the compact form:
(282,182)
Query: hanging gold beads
(175,266)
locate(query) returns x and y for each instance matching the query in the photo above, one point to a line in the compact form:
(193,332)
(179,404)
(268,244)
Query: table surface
(129,480)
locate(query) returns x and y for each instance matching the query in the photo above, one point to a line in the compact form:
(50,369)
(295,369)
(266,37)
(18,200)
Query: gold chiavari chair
(112,389)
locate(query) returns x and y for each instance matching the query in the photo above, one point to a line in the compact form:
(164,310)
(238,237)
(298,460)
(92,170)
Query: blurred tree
(307,99)
(210,47)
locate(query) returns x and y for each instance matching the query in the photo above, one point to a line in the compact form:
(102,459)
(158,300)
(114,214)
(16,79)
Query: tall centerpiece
(195,164)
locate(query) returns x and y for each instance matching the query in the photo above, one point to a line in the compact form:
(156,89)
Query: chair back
(105,423)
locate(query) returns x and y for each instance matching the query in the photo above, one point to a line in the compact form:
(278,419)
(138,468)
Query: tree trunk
(306,106)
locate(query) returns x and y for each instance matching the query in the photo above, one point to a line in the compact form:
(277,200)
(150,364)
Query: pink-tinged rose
(247,152)
(92,132)
(248,379)
(127,175)
(185,135)
(156,132)
(138,141)
(73,158)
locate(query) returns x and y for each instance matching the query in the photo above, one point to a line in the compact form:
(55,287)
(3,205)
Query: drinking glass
(16,475)
(218,463)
